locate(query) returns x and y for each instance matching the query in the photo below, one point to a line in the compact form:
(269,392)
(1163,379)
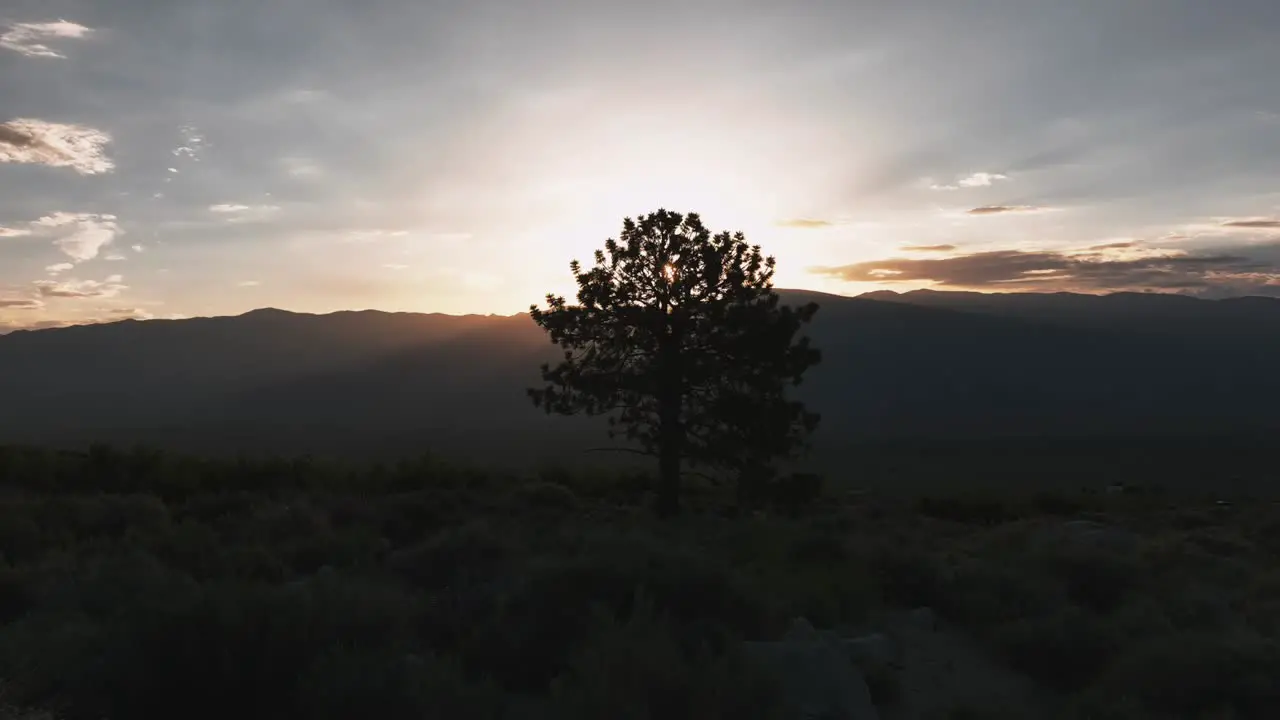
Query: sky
(208,157)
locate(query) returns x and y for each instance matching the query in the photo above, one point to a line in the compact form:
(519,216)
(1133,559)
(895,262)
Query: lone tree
(680,338)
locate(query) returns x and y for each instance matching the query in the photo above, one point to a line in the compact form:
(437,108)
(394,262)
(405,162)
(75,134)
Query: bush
(642,669)
(343,684)
(1064,651)
(546,616)
(468,552)
(1194,674)
(545,496)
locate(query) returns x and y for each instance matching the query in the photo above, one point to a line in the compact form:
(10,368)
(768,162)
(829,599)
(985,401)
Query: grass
(143,585)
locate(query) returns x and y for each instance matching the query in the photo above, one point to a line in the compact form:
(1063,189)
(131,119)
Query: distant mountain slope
(941,365)
(1247,318)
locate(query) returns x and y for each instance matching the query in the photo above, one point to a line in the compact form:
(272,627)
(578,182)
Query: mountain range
(981,370)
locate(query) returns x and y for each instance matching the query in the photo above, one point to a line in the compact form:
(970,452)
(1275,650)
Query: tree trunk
(669,472)
(670,431)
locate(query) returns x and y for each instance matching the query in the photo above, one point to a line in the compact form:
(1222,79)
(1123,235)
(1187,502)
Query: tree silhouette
(679,337)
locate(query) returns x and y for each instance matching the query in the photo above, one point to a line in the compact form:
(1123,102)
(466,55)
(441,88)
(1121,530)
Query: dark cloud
(20,304)
(805,223)
(1114,246)
(1259,224)
(1219,274)
(1002,209)
(928,248)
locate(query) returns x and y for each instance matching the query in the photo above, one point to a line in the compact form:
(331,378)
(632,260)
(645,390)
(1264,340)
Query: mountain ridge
(378,384)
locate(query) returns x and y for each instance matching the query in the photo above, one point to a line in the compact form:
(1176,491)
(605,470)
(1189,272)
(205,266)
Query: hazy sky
(195,157)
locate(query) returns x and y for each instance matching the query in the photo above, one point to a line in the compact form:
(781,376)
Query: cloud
(29,38)
(1003,209)
(368,236)
(20,304)
(302,168)
(978,179)
(130,314)
(82,235)
(1114,246)
(192,147)
(80,289)
(1088,272)
(137,248)
(249,283)
(7,232)
(238,212)
(805,223)
(396,266)
(114,257)
(26,140)
(1253,224)
(928,248)
(59,268)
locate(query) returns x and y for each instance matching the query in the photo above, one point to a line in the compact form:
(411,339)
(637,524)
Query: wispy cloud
(978,179)
(928,248)
(240,213)
(1006,209)
(1158,270)
(396,266)
(80,289)
(29,38)
(192,145)
(1253,224)
(8,232)
(301,168)
(20,303)
(26,140)
(59,268)
(238,208)
(805,223)
(132,313)
(81,236)
(249,283)
(368,236)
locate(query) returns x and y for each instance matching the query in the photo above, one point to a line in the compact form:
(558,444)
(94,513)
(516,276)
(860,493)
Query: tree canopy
(678,336)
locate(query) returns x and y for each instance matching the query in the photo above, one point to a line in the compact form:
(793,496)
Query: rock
(816,679)
(874,650)
(801,630)
(923,618)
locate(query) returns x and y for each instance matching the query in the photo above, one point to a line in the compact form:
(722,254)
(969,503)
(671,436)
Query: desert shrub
(407,517)
(640,668)
(543,495)
(983,592)
(969,509)
(1065,650)
(225,650)
(463,553)
(1056,504)
(353,683)
(907,577)
(21,538)
(15,593)
(1195,674)
(793,492)
(1099,581)
(546,615)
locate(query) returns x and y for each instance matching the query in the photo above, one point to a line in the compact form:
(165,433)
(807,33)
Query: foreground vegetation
(141,585)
